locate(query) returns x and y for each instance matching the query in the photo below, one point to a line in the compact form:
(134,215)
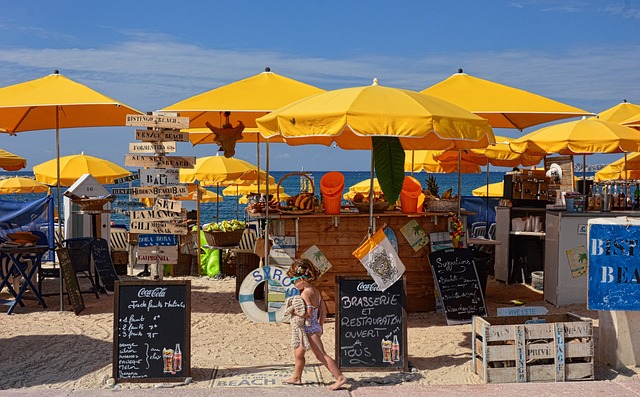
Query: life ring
(249,285)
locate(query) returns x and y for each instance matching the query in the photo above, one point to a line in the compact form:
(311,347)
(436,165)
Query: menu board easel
(458,284)
(152,331)
(371,325)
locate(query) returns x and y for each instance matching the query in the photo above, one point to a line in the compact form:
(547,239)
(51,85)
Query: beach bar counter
(337,236)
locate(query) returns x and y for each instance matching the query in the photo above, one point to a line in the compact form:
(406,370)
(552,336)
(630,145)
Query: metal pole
(266,213)
(459,182)
(370,231)
(59,199)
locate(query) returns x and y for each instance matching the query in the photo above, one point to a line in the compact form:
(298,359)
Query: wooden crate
(516,349)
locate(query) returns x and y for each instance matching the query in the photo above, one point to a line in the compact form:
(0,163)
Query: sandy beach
(54,349)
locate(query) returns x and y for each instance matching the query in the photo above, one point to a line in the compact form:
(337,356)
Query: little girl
(302,272)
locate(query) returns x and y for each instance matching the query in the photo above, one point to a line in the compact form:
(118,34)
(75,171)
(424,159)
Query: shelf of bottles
(614,196)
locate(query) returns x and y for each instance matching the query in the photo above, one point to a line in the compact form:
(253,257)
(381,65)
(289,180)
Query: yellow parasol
(350,117)
(239,190)
(499,155)
(490,190)
(620,113)
(216,170)
(22,185)
(584,136)
(633,121)
(245,100)
(74,166)
(54,102)
(429,161)
(503,106)
(363,187)
(11,162)
(622,168)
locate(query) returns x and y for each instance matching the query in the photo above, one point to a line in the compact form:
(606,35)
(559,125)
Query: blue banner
(614,267)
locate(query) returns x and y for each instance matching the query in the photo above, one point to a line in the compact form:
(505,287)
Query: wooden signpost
(152,147)
(159,183)
(157,228)
(157,215)
(156,121)
(138,160)
(371,325)
(152,331)
(168,205)
(159,177)
(155,191)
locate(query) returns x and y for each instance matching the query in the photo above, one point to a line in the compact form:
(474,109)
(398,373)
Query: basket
(443,205)
(223,239)
(377,206)
(93,204)
(295,212)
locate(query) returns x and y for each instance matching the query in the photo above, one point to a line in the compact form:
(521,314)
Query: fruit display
(300,202)
(223,226)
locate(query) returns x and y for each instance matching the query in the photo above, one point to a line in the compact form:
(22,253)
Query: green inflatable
(209,259)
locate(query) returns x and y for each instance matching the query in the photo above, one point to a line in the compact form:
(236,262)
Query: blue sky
(151,54)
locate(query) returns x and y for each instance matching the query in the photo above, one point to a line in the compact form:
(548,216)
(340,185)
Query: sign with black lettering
(70,279)
(157,121)
(159,177)
(152,331)
(103,264)
(128,178)
(371,325)
(457,282)
(139,160)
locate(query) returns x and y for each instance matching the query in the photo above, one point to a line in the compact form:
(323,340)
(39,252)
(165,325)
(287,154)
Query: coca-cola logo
(362,286)
(152,293)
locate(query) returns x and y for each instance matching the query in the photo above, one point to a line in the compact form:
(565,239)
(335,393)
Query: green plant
(432,186)
(388,159)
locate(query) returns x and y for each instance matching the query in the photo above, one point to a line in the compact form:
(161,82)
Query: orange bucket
(332,183)
(411,189)
(331,186)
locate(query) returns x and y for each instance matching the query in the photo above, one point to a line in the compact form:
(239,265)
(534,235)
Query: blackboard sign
(103,263)
(70,279)
(371,327)
(457,281)
(152,331)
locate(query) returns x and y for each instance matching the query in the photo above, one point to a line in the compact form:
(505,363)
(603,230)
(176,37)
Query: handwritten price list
(371,325)
(458,284)
(151,335)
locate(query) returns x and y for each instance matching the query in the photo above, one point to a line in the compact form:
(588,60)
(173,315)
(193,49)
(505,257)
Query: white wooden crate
(519,349)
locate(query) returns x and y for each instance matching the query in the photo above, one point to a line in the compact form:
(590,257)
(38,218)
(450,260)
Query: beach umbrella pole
(370,231)
(459,182)
(61,286)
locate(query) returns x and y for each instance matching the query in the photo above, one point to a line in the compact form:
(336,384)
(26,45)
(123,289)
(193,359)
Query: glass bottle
(615,199)
(636,197)
(598,202)
(591,198)
(623,198)
(395,349)
(177,359)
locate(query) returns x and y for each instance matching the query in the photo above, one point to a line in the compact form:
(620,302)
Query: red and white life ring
(249,285)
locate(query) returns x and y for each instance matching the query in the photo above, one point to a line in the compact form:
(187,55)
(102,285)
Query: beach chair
(80,254)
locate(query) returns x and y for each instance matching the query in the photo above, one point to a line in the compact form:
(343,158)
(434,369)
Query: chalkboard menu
(152,331)
(371,327)
(457,281)
(70,279)
(103,264)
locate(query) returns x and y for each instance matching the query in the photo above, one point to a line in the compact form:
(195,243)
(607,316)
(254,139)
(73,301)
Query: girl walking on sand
(302,272)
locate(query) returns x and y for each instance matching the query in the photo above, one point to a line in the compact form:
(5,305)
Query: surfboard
(391,236)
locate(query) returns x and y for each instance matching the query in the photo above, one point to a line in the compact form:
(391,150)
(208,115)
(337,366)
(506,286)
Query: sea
(230,209)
